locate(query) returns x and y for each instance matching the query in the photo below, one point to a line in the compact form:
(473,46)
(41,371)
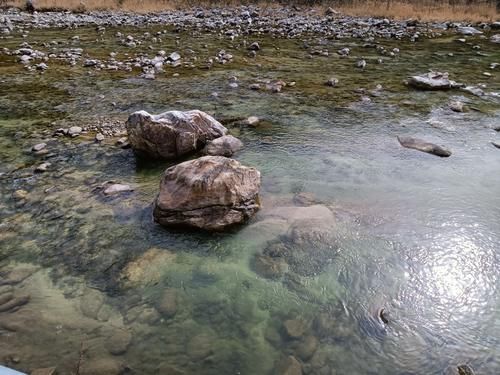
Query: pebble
(456,106)
(39,147)
(20,194)
(167,304)
(42,167)
(74,131)
(119,342)
(99,137)
(332,82)
(254,47)
(252,121)
(44,371)
(294,328)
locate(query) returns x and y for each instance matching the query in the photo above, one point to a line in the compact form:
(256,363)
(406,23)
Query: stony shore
(280,22)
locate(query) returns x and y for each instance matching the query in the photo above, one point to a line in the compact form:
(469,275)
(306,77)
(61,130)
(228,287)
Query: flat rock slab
(171,134)
(211,193)
(433,81)
(421,145)
(117,188)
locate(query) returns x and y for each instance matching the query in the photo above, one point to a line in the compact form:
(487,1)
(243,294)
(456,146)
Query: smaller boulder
(226,145)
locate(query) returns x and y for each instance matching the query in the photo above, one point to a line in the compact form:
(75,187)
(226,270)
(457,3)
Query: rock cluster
(212,192)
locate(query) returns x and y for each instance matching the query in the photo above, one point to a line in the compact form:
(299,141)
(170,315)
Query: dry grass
(430,11)
(424,10)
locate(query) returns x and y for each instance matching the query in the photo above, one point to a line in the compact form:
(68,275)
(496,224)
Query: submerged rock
(101,366)
(119,342)
(465,370)
(74,131)
(308,246)
(200,347)
(433,81)
(418,144)
(496,144)
(226,145)
(288,366)
(457,106)
(147,268)
(212,193)
(117,188)
(167,304)
(269,267)
(171,134)
(44,371)
(294,328)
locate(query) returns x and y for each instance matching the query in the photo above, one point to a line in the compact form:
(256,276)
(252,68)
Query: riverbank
(421,10)
(234,22)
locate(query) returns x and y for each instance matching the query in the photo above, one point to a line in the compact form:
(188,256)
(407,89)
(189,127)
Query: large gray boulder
(172,134)
(433,81)
(211,193)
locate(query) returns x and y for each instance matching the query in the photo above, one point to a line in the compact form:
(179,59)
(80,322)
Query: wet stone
(44,371)
(91,303)
(332,82)
(254,47)
(74,131)
(269,267)
(20,194)
(307,347)
(18,275)
(102,366)
(252,121)
(294,328)
(42,167)
(288,366)
(457,106)
(167,304)
(119,342)
(421,145)
(39,147)
(200,347)
(117,188)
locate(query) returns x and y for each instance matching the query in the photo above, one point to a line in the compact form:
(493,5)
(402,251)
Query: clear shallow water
(417,235)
